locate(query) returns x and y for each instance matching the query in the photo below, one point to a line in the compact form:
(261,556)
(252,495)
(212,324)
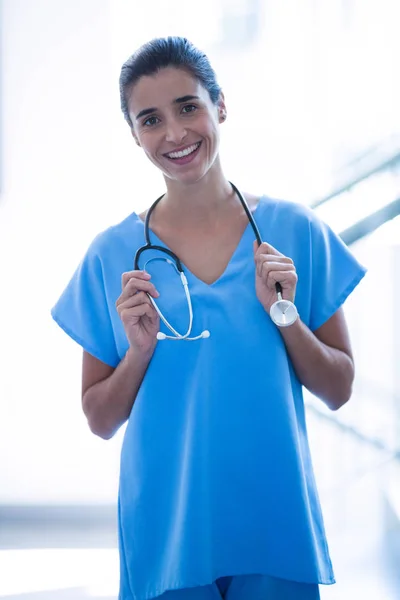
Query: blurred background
(313,97)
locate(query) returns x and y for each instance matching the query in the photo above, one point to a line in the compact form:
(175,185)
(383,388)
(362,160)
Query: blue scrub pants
(247,587)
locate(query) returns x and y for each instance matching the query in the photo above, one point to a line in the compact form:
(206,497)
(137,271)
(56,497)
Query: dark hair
(159,54)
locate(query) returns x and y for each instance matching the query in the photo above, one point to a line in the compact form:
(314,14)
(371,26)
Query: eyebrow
(148,111)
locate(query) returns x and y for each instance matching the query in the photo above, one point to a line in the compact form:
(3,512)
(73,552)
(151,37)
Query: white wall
(56,194)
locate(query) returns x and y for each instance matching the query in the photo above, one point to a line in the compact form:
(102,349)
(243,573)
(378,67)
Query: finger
(265,248)
(130,293)
(267,268)
(138,274)
(273,263)
(135,300)
(287,279)
(135,285)
(272,259)
(275,258)
(137,312)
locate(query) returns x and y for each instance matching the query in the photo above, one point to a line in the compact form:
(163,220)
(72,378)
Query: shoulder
(288,216)
(295,229)
(284,209)
(124,235)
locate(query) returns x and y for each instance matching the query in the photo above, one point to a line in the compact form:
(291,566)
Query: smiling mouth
(183,153)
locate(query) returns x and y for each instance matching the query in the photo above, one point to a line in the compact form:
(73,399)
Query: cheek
(206,125)
(214,136)
(210,131)
(148,144)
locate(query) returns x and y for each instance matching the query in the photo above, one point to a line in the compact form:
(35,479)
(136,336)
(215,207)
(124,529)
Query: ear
(135,136)
(221,108)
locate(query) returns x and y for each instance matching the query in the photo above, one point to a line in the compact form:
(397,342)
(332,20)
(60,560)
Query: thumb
(266,248)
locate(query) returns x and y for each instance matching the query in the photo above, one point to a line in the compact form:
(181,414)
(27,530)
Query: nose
(175,132)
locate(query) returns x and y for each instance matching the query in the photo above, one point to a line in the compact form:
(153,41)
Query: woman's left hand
(273,267)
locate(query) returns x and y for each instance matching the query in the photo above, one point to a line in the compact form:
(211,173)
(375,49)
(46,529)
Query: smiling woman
(217,495)
(178,131)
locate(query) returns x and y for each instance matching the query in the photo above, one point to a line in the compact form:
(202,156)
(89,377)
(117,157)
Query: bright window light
(94,570)
(364,199)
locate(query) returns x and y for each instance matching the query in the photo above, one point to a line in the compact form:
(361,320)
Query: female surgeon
(172,308)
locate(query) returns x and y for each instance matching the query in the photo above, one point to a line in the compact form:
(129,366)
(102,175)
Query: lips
(183,152)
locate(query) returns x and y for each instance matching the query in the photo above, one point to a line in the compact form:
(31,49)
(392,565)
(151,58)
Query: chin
(186,178)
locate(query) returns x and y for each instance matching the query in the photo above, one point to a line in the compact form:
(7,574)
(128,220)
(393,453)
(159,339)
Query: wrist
(135,355)
(293,330)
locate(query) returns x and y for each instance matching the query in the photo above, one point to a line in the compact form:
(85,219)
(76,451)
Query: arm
(108,394)
(322,360)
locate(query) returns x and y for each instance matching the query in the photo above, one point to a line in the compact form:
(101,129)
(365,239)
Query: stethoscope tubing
(178,265)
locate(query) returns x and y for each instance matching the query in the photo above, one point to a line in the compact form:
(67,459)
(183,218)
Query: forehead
(162,88)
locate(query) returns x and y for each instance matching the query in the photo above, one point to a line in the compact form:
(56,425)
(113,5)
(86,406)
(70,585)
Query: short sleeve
(335,273)
(83,312)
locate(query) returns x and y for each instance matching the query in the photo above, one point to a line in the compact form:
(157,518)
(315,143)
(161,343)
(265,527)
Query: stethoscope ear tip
(205,334)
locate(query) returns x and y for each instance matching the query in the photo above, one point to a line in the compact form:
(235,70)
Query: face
(176,123)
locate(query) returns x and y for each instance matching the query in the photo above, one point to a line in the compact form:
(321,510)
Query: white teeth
(183,153)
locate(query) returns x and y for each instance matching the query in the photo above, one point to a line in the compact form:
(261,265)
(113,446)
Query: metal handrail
(370,223)
(384,165)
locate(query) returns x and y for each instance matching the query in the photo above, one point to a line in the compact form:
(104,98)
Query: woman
(217,495)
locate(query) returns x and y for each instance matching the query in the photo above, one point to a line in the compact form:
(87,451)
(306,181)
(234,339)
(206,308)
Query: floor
(76,558)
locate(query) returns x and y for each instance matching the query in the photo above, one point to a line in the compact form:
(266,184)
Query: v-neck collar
(154,239)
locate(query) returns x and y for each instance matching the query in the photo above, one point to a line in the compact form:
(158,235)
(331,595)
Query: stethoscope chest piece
(283,312)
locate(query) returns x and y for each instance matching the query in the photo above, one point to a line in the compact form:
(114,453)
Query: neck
(199,201)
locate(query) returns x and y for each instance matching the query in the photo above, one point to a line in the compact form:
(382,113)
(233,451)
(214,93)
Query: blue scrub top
(216,477)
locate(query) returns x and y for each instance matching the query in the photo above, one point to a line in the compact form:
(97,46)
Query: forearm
(108,403)
(325,371)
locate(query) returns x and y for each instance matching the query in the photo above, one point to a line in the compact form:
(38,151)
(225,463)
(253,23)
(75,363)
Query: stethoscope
(283,312)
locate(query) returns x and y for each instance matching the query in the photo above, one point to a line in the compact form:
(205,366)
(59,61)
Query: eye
(188,108)
(151,121)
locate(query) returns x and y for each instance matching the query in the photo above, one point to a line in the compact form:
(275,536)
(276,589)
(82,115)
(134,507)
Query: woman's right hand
(139,317)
